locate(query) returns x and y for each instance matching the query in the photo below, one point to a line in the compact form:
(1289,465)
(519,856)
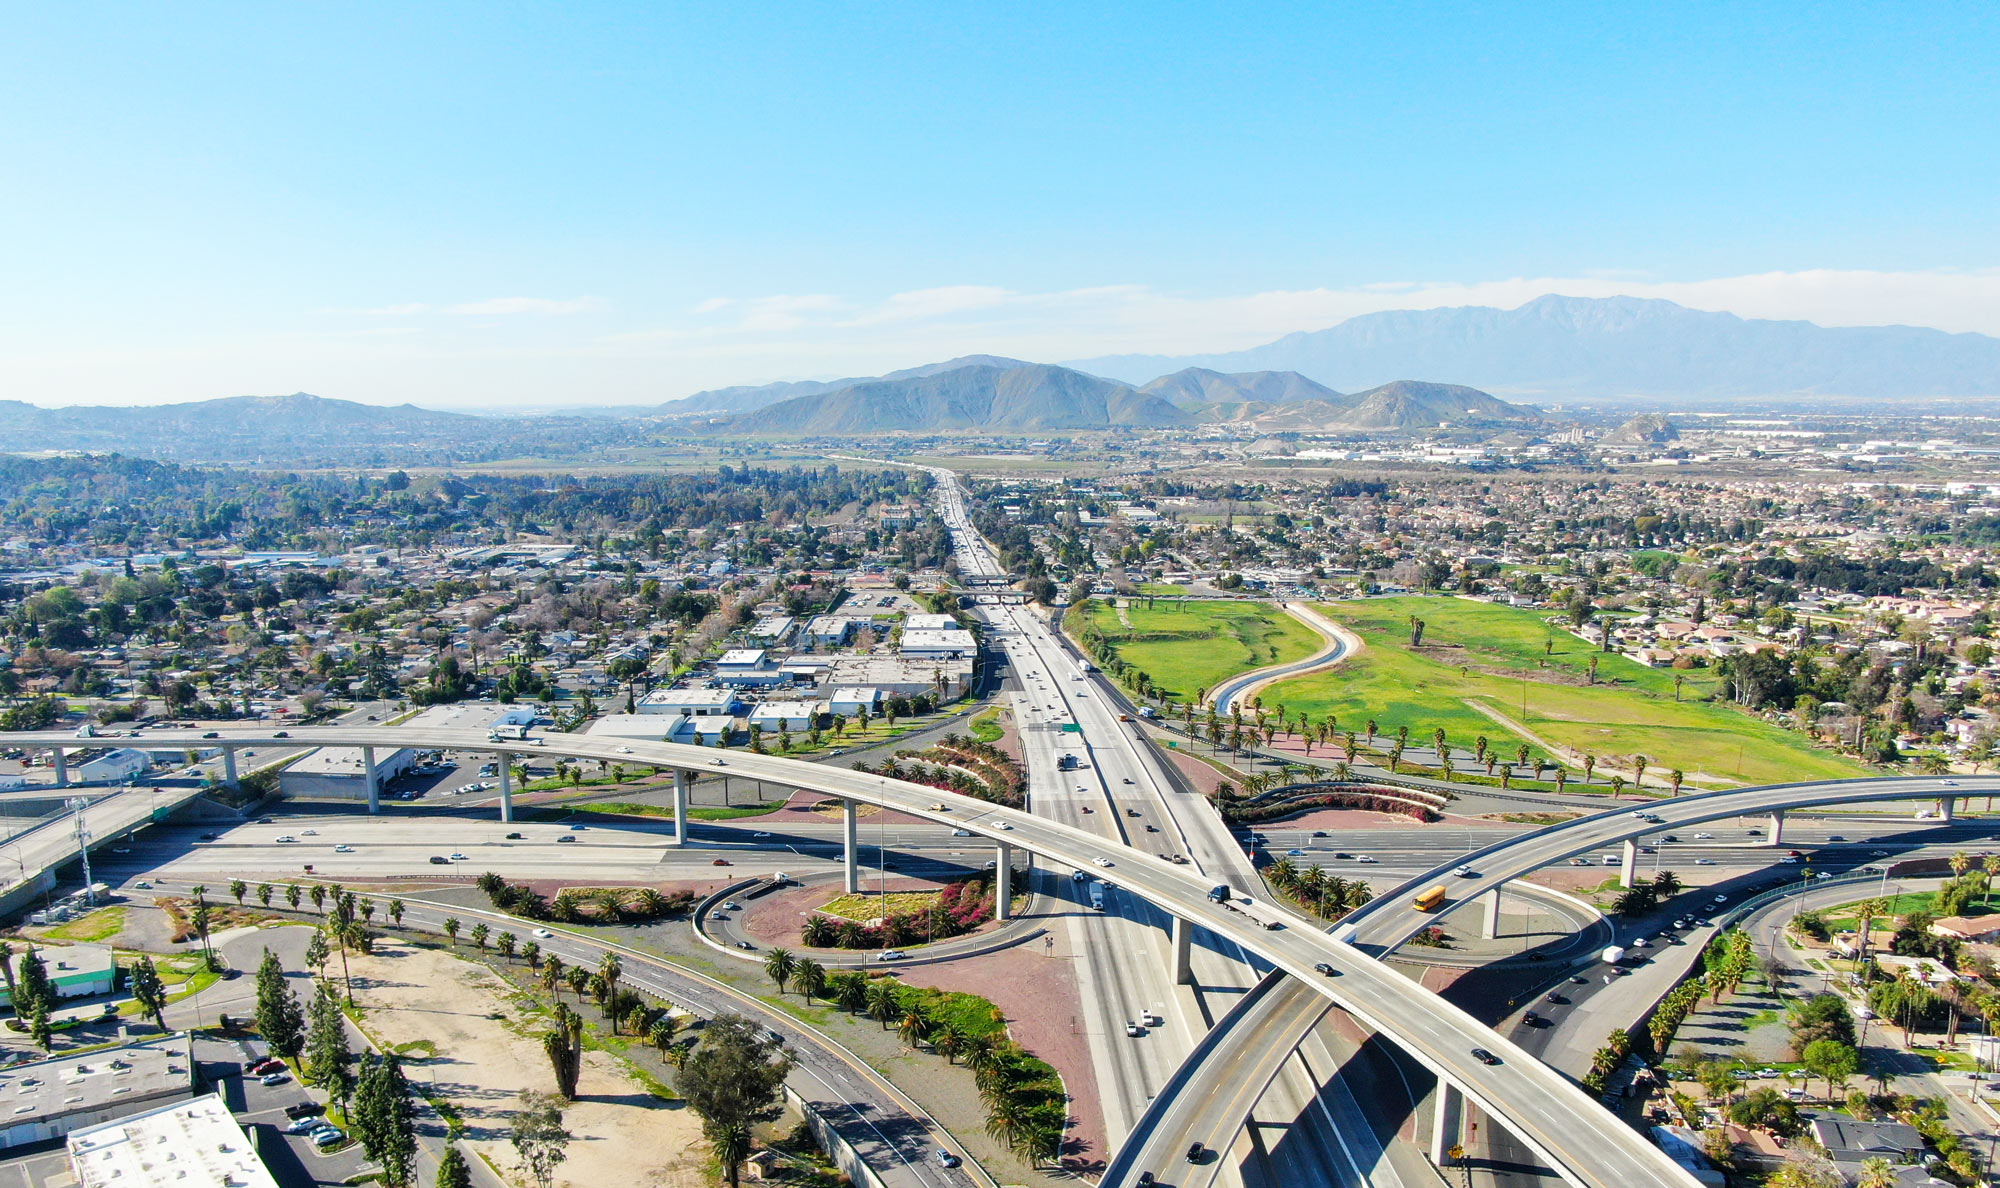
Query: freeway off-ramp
(1563,1125)
(1205,1098)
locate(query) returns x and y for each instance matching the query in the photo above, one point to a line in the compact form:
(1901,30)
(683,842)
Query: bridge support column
(1447,1121)
(850,847)
(1493,913)
(62,767)
(374,783)
(1003,884)
(1946,806)
(505,764)
(229,766)
(1183,940)
(1628,863)
(1777,830)
(680,807)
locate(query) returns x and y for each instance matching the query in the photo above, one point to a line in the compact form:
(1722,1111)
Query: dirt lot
(488,1050)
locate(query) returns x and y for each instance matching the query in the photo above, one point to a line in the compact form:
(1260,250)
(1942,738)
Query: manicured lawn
(1190,646)
(986,727)
(99,925)
(1493,655)
(868,907)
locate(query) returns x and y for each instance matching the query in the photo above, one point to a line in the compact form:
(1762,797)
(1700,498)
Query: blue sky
(561,204)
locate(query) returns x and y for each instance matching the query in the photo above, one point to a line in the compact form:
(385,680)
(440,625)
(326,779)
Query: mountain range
(1580,347)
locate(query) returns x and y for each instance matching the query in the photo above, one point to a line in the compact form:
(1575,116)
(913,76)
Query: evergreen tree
(278,1015)
(452,1171)
(326,1050)
(149,991)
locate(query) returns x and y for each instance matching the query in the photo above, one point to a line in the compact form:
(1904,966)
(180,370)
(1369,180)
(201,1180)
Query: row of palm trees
(1326,895)
(1024,1109)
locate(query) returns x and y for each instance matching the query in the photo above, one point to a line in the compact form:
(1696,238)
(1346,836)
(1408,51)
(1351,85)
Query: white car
(1704,862)
(285,837)
(1464,872)
(1704,837)
(543,933)
(892,955)
(460,858)
(343,849)
(624,750)
(1363,858)
(1102,861)
(1004,825)
(308,833)
(961,833)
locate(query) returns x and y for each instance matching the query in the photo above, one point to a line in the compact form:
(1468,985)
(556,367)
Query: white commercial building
(747,667)
(70,1094)
(176,1146)
(851,700)
(108,766)
(691,703)
(340,773)
(905,675)
(947,642)
(785,715)
(929,622)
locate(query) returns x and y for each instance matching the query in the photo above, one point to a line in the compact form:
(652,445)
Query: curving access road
(1564,1127)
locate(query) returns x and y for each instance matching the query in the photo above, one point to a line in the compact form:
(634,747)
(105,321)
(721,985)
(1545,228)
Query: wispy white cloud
(526,305)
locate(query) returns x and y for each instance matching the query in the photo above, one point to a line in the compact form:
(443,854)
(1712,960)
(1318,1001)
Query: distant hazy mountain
(1411,404)
(1198,385)
(295,430)
(1644,429)
(1026,396)
(748,399)
(1583,347)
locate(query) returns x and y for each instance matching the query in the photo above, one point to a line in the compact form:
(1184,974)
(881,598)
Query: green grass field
(1190,646)
(99,925)
(1493,655)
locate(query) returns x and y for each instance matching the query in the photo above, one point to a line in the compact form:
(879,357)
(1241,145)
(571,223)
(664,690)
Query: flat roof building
(691,703)
(954,641)
(176,1146)
(71,1094)
(338,773)
(905,675)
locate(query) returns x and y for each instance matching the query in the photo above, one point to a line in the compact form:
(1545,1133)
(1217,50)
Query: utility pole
(76,806)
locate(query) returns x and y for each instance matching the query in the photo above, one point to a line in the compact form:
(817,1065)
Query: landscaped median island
(959,764)
(1179,650)
(1477,669)
(873,921)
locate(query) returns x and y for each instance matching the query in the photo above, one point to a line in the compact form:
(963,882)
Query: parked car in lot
(276,1078)
(304,1126)
(304,1109)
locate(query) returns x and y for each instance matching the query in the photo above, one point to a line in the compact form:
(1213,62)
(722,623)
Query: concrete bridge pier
(680,807)
(62,767)
(504,764)
(1447,1122)
(850,847)
(1183,941)
(229,766)
(1492,913)
(1946,807)
(374,782)
(1628,863)
(1777,830)
(1003,884)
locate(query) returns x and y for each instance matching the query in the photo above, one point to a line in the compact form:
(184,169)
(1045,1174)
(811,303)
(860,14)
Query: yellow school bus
(1429,900)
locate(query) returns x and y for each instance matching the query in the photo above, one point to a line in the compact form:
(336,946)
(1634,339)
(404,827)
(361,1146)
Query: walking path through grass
(1190,646)
(1539,677)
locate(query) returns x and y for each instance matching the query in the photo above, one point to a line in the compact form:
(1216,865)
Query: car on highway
(440,860)
(1484,1057)
(543,933)
(1296,853)
(1152,829)
(1704,837)
(212,734)
(946,1158)
(1704,862)
(460,858)
(1133,1029)
(717,763)
(891,955)
(1465,872)
(720,862)
(1086,808)
(1363,858)
(1579,862)
(343,848)
(760,834)
(732,905)
(746,946)
(284,838)
(1005,826)
(961,833)
(1836,837)
(1530,1019)
(937,806)
(1196,1152)
(1101,860)
(1328,970)
(517,837)
(567,837)
(1079,876)
(143,885)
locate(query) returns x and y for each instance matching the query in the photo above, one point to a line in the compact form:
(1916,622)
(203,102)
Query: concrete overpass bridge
(1563,1126)
(1209,1097)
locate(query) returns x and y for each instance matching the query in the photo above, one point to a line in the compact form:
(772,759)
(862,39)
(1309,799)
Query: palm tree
(1960,862)
(1876,1172)
(778,964)
(911,1029)
(1674,779)
(883,1005)
(851,993)
(610,969)
(1589,765)
(811,976)
(1007,1121)
(949,1043)
(1638,771)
